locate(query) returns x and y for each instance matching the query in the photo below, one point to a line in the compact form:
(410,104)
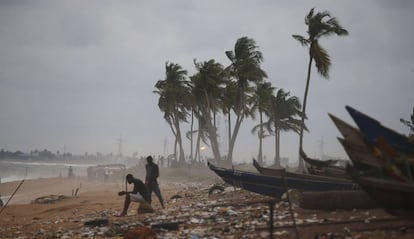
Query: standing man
(151,180)
(70,172)
(138,194)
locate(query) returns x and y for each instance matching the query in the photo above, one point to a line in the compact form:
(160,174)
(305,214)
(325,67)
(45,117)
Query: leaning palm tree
(207,85)
(319,25)
(284,115)
(262,101)
(174,101)
(245,69)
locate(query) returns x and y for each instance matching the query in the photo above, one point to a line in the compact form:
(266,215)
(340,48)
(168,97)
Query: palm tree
(245,68)
(283,116)
(207,85)
(319,25)
(262,101)
(227,103)
(174,101)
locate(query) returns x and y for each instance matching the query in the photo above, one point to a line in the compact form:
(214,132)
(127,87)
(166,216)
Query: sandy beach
(227,214)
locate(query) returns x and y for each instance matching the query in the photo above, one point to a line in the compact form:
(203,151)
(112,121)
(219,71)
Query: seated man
(138,194)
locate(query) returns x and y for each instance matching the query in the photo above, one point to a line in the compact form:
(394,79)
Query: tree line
(239,90)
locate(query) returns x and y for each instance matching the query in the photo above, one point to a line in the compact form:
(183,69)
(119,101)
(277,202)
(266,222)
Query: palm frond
(189,133)
(336,27)
(309,16)
(322,59)
(230,55)
(303,41)
(255,129)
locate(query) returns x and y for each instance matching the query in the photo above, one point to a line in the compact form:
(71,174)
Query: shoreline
(34,188)
(43,186)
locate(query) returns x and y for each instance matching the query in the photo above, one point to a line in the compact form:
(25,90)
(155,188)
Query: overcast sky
(80,74)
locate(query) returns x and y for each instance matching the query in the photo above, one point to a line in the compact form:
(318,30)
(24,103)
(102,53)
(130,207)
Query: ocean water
(17,170)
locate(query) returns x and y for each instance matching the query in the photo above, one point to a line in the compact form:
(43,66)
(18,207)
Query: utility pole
(165,150)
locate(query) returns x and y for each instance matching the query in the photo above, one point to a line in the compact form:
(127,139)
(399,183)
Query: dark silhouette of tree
(320,24)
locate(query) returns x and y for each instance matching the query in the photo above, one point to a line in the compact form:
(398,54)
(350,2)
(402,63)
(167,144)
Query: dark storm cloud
(81,73)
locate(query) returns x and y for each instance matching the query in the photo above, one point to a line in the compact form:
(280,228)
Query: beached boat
(367,158)
(394,197)
(268,171)
(275,186)
(326,168)
(361,158)
(354,145)
(373,130)
(387,146)
(317,162)
(384,169)
(280,172)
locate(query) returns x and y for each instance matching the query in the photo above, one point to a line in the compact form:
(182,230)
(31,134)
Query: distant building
(108,172)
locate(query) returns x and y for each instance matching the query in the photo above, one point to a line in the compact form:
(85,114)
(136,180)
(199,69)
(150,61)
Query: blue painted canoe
(373,130)
(275,186)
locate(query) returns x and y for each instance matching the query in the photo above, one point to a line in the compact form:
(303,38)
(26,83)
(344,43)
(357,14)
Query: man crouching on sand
(139,194)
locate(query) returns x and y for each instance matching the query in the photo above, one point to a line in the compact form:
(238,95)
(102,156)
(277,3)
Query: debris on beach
(96,222)
(231,213)
(48,199)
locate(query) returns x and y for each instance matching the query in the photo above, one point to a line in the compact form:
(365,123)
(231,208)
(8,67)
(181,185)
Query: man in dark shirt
(138,194)
(151,180)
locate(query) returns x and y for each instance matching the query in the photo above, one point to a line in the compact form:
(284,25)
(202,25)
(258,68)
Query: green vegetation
(239,91)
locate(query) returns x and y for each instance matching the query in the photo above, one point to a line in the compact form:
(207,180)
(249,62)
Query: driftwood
(48,199)
(332,200)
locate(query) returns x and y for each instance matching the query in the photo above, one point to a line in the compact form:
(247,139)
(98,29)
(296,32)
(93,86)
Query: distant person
(106,174)
(161,161)
(70,172)
(138,194)
(152,173)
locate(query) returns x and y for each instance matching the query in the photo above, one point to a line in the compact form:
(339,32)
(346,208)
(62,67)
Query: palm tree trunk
(180,142)
(259,156)
(197,153)
(301,166)
(175,150)
(277,146)
(191,135)
(276,149)
(175,135)
(229,129)
(214,142)
(233,138)
(214,119)
(212,135)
